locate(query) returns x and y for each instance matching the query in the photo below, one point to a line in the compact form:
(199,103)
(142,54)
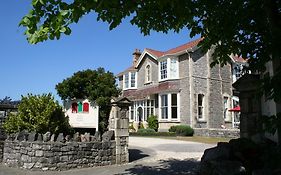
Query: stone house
(180,87)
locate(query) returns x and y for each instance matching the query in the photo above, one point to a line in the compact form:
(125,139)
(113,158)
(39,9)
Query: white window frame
(226,106)
(130,80)
(162,70)
(148,73)
(202,106)
(169,67)
(169,118)
(126,81)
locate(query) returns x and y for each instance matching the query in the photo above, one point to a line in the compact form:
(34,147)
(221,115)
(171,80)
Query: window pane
(164,113)
(173,68)
(163,69)
(148,73)
(164,100)
(126,80)
(174,99)
(133,79)
(200,106)
(174,112)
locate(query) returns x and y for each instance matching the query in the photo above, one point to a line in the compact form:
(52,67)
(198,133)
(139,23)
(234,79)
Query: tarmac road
(148,156)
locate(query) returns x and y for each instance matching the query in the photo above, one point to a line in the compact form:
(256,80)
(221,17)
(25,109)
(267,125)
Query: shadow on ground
(166,167)
(136,154)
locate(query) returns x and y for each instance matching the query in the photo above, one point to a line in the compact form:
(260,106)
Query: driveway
(148,156)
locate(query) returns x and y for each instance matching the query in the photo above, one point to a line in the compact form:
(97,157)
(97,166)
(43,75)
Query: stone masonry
(1,150)
(29,151)
(58,156)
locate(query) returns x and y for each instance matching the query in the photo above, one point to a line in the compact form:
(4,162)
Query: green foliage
(182,130)
(153,122)
(39,113)
(164,134)
(147,130)
(95,85)
(251,29)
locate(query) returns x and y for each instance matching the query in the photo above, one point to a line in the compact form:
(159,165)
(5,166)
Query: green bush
(153,122)
(147,130)
(182,130)
(38,113)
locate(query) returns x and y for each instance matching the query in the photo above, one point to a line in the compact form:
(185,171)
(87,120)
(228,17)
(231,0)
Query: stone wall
(1,150)
(215,132)
(57,155)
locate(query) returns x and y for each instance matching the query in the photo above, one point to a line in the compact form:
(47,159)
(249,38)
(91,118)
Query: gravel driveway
(148,156)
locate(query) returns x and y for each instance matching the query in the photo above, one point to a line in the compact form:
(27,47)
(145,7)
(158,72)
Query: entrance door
(140,114)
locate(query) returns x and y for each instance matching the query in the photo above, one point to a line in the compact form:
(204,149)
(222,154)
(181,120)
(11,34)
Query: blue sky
(36,69)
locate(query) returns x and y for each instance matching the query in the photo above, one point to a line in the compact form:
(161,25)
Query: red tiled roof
(155,52)
(175,50)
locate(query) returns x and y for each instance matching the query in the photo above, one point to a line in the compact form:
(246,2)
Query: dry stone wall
(215,132)
(40,155)
(1,150)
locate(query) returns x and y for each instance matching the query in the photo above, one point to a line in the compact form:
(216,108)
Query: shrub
(38,113)
(182,130)
(152,122)
(148,130)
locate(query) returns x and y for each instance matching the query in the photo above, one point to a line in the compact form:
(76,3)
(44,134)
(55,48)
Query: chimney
(136,56)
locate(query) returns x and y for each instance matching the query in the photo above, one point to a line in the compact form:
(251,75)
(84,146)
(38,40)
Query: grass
(208,140)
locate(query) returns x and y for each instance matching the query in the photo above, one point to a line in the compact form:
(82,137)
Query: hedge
(182,130)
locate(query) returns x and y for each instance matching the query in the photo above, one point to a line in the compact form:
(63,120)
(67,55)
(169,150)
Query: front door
(140,114)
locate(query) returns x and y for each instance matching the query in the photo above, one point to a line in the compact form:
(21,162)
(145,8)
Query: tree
(248,28)
(96,85)
(37,113)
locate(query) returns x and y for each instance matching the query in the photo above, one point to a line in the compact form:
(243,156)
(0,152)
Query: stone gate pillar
(119,122)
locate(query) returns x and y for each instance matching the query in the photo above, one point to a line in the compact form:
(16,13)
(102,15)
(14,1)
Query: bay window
(169,107)
(130,80)
(168,69)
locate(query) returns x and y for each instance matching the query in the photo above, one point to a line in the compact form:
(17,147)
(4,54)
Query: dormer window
(148,73)
(130,80)
(169,69)
(126,80)
(133,79)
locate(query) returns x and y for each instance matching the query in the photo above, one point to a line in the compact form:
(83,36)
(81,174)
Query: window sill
(168,79)
(201,121)
(132,88)
(148,83)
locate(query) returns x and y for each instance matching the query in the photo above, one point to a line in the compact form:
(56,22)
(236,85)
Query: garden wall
(1,150)
(58,156)
(214,132)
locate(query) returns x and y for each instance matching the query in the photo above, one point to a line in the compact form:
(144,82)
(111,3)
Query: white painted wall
(81,119)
